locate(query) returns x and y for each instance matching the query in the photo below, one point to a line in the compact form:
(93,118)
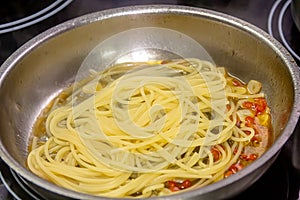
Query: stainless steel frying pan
(45,65)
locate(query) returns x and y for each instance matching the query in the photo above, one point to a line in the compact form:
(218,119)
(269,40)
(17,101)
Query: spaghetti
(150,129)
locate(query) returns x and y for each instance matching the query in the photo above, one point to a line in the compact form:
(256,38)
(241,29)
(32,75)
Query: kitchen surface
(22,20)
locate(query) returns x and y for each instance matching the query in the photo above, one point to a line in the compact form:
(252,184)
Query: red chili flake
(228,173)
(236,82)
(256,139)
(239,166)
(244,156)
(253,156)
(249,157)
(235,150)
(249,121)
(236,167)
(233,169)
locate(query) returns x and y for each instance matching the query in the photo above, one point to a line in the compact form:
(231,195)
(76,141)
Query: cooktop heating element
(15,17)
(280,27)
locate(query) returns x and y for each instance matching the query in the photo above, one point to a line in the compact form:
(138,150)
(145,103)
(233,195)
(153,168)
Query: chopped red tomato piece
(261,101)
(172,186)
(258,106)
(248,105)
(261,105)
(174,189)
(249,121)
(216,153)
(176,186)
(186,184)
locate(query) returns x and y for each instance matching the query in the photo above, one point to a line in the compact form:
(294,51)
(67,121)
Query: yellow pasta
(147,129)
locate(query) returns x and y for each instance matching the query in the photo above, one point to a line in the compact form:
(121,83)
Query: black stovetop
(22,20)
